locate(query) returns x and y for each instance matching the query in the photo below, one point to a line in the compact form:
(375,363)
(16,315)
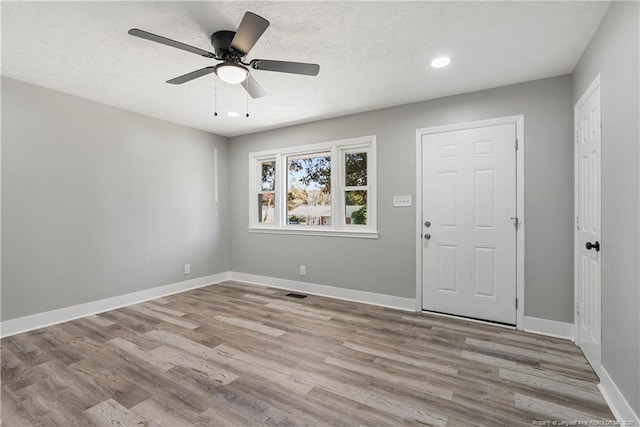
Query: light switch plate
(401,201)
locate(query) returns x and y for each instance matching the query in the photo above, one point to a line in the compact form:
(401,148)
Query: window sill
(356,234)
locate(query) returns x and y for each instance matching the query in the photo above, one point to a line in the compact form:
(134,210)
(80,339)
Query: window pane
(309,190)
(268,176)
(266,208)
(355,169)
(355,204)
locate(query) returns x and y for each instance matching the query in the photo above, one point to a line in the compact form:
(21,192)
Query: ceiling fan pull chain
(215,97)
(247,108)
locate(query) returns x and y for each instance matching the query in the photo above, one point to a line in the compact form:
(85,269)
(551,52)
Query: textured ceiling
(371,54)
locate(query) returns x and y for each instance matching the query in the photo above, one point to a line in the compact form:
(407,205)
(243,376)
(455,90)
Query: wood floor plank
(159,414)
(118,387)
(152,305)
(13,372)
(276,373)
(397,356)
(90,330)
(100,321)
(132,320)
(528,353)
(591,395)
(41,395)
(61,378)
(547,410)
(162,387)
(236,354)
(12,412)
(110,413)
(199,336)
(283,408)
(137,352)
(314,314)
(254,326)
(181,342)
(395,379)
(31,404)
(163,317)
(174,357)
(25,347)
(385,402)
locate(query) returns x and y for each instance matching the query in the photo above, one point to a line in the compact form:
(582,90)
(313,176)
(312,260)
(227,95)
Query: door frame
(518,120)
(595,84)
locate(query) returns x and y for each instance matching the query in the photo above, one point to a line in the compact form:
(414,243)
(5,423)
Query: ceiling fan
(231,47)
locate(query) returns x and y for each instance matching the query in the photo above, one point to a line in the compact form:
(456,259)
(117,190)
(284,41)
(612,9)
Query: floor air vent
(299,296)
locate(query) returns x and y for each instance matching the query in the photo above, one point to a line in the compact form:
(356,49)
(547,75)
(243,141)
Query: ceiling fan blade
(251,28)
(190,76)
(252,87)
(163,40)
(286,67)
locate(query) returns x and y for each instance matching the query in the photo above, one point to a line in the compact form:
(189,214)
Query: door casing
(518,120)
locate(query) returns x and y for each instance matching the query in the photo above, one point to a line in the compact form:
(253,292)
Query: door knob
(595,246)
(427,236)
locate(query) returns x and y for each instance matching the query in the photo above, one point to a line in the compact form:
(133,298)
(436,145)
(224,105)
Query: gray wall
(99,202)
(387,265)
(614,53)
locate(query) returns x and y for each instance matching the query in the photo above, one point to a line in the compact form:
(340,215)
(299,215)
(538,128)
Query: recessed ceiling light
(443,61)
(233,114)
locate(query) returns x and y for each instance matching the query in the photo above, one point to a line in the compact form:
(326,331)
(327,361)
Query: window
(309,189)
(355,188)
(325,189)
(267,192)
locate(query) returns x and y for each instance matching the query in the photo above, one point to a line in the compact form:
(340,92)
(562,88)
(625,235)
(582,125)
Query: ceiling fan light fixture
(231,73)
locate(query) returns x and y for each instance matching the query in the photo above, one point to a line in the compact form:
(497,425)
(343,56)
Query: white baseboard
(614,398)
(407,304)
(550,328)
(40,320)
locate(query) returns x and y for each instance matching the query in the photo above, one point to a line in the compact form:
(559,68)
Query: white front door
(469,213)
(588,141)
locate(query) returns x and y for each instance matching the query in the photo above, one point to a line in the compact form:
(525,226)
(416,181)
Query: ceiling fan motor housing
(221,42)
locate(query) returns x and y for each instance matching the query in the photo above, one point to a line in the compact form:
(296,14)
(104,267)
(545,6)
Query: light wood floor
(235,354)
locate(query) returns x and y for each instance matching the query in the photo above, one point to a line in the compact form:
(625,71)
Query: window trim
(338,227)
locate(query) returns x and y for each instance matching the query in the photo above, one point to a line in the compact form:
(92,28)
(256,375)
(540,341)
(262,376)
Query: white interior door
(469,212)
(588,142)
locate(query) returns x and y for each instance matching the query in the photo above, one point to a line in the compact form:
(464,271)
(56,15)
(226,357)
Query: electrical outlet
(187,269)
(303,270)
(401,201)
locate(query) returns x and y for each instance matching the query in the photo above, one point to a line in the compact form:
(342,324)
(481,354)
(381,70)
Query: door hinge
(577,137)
(516,221)
(577,308)
(516,144)
(516,303)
